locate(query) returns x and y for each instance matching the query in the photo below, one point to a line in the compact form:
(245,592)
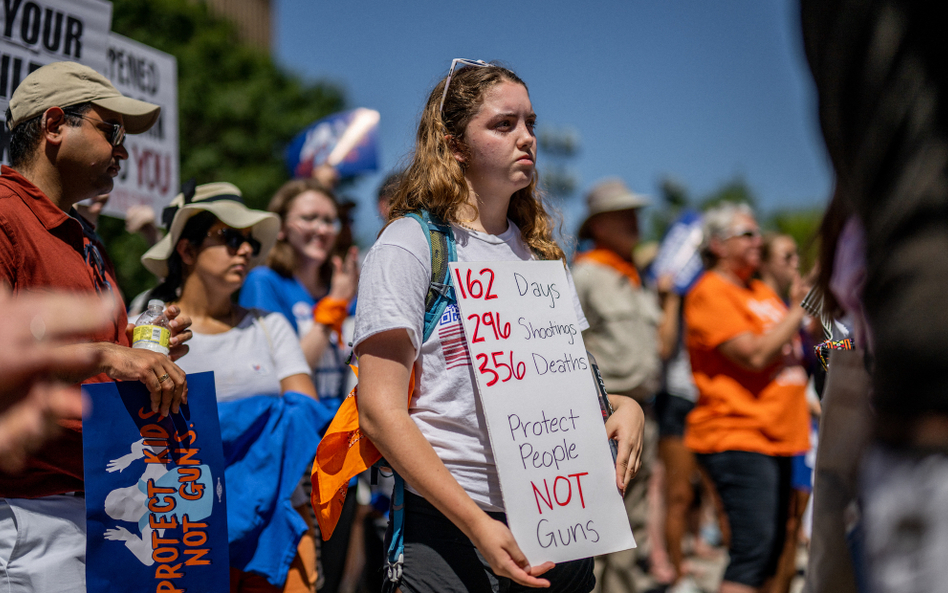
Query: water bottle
(151,329)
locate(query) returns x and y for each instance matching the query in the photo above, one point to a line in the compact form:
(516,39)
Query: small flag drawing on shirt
(451,335)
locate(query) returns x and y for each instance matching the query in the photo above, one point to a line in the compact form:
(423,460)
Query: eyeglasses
(454,64)
(233,239)
(117,134)
(321,223)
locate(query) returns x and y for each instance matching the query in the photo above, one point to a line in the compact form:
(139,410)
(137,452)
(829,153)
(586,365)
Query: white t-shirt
(250,359)
(392,289)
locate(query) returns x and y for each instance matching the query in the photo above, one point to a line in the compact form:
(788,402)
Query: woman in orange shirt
(751,415)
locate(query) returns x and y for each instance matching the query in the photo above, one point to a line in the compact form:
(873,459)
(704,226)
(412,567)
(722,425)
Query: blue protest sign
(346,140)
(155,499)
(679,254)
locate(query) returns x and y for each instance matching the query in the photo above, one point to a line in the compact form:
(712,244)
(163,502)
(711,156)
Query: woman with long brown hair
(311,277)
(474,167)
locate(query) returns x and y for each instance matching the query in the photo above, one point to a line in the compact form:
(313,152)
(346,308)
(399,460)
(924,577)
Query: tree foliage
(801,224)
(237,109)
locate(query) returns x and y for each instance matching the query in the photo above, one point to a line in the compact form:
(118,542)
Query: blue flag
(679,255)
(155,492)
(346,140)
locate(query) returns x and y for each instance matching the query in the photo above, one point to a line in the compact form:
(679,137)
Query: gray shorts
(439,558)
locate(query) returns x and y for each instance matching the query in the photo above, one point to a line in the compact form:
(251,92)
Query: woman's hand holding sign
(627,426)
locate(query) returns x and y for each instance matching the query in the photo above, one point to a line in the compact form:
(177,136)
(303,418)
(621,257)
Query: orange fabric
(613,260)
(738,409)
(343,452)
(331,312)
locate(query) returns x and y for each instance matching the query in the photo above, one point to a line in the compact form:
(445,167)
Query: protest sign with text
(34,33)
(155,498)
(150,175)
(546,428)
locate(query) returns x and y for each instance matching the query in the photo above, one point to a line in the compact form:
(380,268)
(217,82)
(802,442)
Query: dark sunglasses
(115,135)
(233,239)
(97,264)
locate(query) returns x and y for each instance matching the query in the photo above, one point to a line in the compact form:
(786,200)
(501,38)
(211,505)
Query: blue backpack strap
(441,245)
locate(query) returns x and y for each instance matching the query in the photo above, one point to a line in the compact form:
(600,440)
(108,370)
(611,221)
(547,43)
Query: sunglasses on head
(233,239)
(454,64)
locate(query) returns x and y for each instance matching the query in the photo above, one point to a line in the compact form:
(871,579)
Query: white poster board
(546,429)
(150,177)
(34,33)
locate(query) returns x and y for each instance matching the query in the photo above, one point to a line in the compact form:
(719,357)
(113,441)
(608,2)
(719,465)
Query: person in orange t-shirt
(751,415)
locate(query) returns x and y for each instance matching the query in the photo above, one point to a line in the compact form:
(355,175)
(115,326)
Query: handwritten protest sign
(155,500)
(150,175)
(34,33)
(546,430)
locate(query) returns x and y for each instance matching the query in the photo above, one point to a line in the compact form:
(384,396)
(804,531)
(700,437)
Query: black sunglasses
(116,133)
(233,239)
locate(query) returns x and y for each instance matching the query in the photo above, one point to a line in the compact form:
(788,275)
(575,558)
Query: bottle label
(152,333)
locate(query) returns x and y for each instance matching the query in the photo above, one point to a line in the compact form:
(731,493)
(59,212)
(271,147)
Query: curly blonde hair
(435,179)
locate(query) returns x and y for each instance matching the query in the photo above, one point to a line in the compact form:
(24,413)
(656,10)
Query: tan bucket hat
(63,84)
(610,195)
(224,201)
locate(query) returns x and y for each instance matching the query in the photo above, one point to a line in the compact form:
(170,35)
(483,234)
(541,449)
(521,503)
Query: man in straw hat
(67,125)
(623,337)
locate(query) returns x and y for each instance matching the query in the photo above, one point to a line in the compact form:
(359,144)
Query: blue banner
(679,254)
(346,140)
(155,492)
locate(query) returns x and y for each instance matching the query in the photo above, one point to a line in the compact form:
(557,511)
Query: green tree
(736,190)
(674,200)
(237,110)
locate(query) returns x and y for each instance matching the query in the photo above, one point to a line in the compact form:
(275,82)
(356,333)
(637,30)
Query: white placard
(546,429)
(150,176)
(34,33)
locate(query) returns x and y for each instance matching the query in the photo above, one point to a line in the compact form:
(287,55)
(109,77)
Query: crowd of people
(715,384)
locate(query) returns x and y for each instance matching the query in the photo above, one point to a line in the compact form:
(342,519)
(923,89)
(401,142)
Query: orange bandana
(613,260)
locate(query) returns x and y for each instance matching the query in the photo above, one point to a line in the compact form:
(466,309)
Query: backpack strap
(441,244)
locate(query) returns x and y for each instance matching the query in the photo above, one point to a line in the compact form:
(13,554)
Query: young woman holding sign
(474,166)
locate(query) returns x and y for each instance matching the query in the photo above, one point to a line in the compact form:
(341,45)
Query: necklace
(462,225)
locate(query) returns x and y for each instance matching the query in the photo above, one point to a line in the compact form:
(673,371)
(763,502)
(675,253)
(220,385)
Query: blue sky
(696,90)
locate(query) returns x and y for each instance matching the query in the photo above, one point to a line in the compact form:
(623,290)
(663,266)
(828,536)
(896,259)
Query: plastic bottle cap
(156,303)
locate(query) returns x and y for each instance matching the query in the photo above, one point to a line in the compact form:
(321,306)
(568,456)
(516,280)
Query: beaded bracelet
(823,349)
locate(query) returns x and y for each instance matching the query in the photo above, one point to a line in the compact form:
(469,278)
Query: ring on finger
(163,378)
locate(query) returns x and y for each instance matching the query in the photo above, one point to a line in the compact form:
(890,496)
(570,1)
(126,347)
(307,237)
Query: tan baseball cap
(63,84)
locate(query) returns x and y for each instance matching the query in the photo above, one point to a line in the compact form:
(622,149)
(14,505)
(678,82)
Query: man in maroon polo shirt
(67,126)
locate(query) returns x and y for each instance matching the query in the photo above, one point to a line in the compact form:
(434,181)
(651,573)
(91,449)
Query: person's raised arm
(345,285)
(385,363)
(671,308)
(757,351)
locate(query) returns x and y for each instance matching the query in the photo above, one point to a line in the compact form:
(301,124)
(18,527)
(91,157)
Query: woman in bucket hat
(259,372)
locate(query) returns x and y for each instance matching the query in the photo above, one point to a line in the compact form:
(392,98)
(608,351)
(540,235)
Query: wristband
(331,313)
